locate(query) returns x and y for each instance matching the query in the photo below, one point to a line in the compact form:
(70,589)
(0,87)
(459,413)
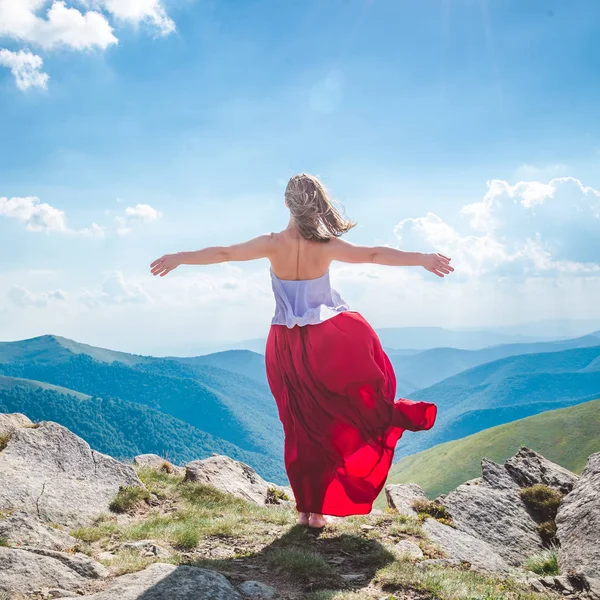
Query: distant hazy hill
(426,368)
(225,404)
(505,390)
(123,429)
(566,436)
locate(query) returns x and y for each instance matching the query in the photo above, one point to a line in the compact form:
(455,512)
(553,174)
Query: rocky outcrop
(50,472)
(24,572)
(257,590)
(491,508)
(77,562)
(464,547)
(161,581)
(401,496)
(12,422)
(154,461)
(232,477)
(578,524)
(22,529)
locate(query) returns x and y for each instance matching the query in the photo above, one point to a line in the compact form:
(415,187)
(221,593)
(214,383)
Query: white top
(305,301)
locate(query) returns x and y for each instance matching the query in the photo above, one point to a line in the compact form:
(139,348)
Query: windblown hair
(316,214)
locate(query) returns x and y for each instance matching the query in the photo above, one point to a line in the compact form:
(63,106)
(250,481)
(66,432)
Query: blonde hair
(315,213)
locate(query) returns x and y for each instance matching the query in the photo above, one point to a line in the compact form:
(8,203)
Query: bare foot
(303,519)
(317,521)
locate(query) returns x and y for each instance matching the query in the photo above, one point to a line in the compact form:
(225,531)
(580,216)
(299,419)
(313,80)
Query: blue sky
(174,125)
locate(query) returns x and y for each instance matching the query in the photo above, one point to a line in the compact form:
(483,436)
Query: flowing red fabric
(335,391)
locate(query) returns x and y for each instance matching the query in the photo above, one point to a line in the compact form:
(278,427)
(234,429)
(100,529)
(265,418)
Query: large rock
(22,571)
(52,473)
(154,461)
(169,582)
(578,523)
(78,562)
(232,477)
(12,422)
(26,530)
(527,468)
(464,547)
(401,496)
(490,508)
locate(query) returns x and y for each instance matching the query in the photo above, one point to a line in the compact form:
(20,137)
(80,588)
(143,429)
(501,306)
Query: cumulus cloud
(59,24)
(115,290)
(23,298)
(140,213)
(40,216)
(26,68)
(530,228)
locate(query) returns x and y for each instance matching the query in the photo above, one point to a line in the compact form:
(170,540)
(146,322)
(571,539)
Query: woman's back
(295,258)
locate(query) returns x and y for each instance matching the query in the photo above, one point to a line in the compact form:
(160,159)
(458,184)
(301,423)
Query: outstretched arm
(383,255)
(259,247)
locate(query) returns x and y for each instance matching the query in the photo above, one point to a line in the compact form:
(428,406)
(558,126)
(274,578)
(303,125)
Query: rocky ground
(76,523)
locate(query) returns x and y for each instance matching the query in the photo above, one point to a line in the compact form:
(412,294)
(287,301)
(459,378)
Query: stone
(400,496)
(161,581)
(257,590)
(408,549)
(464,547)
(50,472)
(232,477)
(23,529)
(528,468)
(58,593)
(26,572)
(79,563)
(13,421)
(578,523)
(439,562)
(148,547)
(105,556)
(352,577)
(494,512)
(154,461)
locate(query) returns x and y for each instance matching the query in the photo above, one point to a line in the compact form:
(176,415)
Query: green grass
(4,542)
(566,436)
(542,500)
(301,565)
(128,498)
(545,563)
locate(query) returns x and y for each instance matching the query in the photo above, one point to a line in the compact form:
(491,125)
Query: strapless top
(305,301)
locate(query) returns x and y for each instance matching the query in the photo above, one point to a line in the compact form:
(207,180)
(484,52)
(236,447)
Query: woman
(333,383)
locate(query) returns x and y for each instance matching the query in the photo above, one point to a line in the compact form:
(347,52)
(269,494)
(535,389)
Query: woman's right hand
(165,264)
(437,263)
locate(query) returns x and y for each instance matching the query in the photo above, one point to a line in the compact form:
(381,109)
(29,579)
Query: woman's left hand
(165,264)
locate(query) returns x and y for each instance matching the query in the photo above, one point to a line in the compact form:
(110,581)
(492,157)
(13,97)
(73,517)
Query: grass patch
(275,496)
(103,530)
(4,542)
(302,565)
(333,595)
(432,508)
(542,500)
(545,563)
(128,561)
(128,498)
(451,583)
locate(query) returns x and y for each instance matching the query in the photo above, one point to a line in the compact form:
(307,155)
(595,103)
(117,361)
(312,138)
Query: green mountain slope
(124,429)
(566,436)
(504,390)
(432,366)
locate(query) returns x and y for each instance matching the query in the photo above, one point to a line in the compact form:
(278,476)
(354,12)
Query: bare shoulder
(344,251)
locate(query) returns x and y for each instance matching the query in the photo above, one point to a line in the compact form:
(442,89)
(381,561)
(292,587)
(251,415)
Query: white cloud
(115,290)
(22,297)
(60,26)
(526,229)
(136,11)
(140,213)
(26,68)
(40,216)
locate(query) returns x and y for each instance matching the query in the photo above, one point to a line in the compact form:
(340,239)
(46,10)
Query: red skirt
(335,391)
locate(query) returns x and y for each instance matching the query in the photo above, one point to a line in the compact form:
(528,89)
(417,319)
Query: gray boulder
(528,468)
(26,530)
(25,572)
(154,461)
(405,549)
(400,496)
(161,581)
(232,477)
(52,473)
(12,422)
(464,547)
(578,523)
(491,508)
(147,548)
(77,562)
